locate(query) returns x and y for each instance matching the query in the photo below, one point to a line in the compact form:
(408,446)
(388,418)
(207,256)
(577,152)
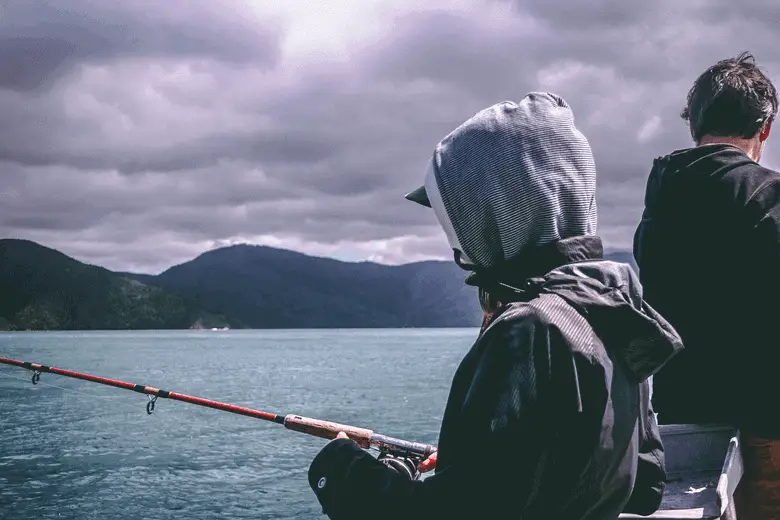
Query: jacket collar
(538,261)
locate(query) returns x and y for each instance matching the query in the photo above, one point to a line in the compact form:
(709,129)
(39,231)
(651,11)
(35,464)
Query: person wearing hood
(549,413)
(708,251)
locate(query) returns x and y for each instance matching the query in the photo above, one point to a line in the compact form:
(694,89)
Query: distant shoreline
(240,287)
(204,331)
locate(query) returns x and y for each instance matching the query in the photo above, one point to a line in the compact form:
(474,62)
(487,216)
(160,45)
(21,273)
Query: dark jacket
(708,251)
(548,414)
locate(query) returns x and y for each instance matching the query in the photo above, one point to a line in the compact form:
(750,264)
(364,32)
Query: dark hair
(733,98)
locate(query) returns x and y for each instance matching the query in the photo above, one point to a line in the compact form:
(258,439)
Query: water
(87,451)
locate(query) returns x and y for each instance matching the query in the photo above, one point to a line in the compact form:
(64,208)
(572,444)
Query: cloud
(137,134)
(42,41)
(649,129)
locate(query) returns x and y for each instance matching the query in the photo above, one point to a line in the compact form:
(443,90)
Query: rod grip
(327,429)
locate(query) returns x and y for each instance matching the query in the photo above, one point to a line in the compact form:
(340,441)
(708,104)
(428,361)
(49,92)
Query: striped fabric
(515,175)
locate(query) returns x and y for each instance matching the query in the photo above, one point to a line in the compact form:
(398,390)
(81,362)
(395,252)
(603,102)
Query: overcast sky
(136,134)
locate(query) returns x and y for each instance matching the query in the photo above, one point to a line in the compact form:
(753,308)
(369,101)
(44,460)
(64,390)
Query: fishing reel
(403,465)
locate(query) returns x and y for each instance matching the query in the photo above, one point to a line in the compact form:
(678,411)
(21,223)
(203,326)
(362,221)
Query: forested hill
(265,287)
(43,289)
(235,286)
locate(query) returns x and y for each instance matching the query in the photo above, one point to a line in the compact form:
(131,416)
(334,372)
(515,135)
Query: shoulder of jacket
(757,192)
(543,312)
(754,181)
(545,328)
(754,168)
(768,189)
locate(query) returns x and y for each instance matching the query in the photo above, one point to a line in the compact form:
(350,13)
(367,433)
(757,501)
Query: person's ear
(764,134)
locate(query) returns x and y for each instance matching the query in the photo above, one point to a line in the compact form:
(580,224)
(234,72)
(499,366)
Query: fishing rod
(365,438)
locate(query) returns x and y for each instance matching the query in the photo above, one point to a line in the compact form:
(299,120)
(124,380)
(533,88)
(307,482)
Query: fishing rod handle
(402,448)
(327,429)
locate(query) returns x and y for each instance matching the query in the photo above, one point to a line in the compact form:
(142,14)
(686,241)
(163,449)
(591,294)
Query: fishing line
(87,394)
(265,444)
(254,441)
(79,392)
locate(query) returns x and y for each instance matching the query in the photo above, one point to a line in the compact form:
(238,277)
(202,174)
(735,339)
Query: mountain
(264,287)
(239,286)
(43,289)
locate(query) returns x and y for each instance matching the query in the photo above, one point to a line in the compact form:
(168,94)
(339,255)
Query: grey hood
(510,178)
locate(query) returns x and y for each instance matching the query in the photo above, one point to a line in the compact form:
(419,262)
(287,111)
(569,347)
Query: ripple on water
(69,456)
(25,456)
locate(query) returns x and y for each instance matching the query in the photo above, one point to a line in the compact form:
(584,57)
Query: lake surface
(78,450)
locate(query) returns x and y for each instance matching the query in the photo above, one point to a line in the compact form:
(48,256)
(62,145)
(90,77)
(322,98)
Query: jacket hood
(700,160)
(511,177)
(609,295)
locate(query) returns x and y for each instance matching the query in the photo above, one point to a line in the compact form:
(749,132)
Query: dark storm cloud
(583,16)
(41,41)
(139,133)
(198,205)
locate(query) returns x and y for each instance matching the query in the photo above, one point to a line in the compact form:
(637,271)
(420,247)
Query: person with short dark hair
(549,413)
(708,252)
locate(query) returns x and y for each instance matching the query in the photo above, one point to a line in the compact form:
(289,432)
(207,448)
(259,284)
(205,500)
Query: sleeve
(765,234)
(760,290)
(495,465)
(645,231)
(651,468)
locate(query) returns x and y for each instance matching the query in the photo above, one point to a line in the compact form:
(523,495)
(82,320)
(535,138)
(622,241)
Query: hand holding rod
(364,438)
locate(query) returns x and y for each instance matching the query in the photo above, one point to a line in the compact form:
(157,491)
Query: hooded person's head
(513,177)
